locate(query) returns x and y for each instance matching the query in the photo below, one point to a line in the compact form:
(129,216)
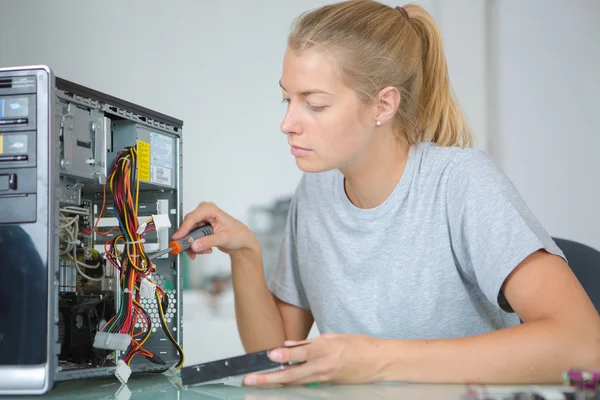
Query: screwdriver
(179,245)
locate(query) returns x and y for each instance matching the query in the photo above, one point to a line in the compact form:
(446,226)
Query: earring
(378,123)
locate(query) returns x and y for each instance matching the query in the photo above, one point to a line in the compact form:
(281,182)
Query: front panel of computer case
(28,171)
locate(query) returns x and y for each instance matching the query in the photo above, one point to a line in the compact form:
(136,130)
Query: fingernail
(250,380)
(196,246)
(275,355)
(289,342)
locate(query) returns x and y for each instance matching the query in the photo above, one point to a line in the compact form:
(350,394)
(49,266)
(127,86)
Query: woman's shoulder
(457,162)
(468,174)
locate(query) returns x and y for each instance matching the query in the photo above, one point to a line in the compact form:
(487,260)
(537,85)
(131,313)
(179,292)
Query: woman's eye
(308,105)
(315,108)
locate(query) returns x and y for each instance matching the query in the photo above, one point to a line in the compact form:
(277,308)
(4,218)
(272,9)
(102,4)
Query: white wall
(462,23)
(548,97)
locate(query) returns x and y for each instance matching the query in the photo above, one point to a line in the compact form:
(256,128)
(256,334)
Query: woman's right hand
(229,234)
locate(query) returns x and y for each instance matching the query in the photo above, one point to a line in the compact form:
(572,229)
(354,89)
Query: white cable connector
(161,221)
(147,289)
(141,228)
(112,341)
(122,372)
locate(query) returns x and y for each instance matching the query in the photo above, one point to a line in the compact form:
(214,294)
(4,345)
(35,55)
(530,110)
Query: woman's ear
(386,102)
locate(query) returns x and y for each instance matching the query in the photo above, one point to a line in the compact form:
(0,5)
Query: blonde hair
(377,46)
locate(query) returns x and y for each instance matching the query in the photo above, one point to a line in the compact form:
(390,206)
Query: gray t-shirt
(427,263)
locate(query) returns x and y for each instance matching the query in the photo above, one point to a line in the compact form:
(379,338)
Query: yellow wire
(137,180)
(125,201)
(112,176)
(162,316)
(148,332)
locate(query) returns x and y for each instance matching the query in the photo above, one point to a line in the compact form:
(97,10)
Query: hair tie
(402,11)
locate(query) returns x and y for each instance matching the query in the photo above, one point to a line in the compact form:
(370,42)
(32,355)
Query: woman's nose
(290,125)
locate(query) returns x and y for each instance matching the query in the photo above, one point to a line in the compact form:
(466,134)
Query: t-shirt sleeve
(491,228)
(285,282)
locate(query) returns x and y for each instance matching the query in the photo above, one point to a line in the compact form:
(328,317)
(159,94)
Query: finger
(289,354)
(190,254)
(217,239)
(204,212)
(297,375)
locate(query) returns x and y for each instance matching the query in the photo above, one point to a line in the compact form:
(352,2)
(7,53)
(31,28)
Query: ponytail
(439,117)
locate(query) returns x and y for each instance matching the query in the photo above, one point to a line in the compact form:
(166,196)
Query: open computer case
(89,186)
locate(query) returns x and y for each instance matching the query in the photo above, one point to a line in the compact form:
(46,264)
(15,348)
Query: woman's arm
(560,330)
(297,321)
(263,320)
(259,323)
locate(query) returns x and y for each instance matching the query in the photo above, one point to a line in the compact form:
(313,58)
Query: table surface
(160,386)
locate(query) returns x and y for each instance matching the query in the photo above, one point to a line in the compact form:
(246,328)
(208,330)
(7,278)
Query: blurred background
(526,73)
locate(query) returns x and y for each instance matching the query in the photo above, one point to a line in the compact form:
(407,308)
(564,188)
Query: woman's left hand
(331,358)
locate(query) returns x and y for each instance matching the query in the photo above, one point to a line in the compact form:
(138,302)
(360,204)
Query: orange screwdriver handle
(185,242)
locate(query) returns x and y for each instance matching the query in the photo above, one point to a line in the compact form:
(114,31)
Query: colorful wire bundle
(133,262)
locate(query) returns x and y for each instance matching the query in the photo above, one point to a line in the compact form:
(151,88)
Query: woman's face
(327,126)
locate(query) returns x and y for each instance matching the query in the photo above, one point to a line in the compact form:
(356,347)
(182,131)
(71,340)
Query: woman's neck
(373,178)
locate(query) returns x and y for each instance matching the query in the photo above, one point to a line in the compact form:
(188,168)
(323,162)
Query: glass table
(160,386)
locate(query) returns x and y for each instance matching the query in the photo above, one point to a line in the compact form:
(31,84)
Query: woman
(413,253)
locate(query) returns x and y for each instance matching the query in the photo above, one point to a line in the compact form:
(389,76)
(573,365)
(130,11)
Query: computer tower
(90,185)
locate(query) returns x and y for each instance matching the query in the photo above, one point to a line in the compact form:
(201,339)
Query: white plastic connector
(147,289)
(141,228)
(123,371)
(161,221)
(112,341)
